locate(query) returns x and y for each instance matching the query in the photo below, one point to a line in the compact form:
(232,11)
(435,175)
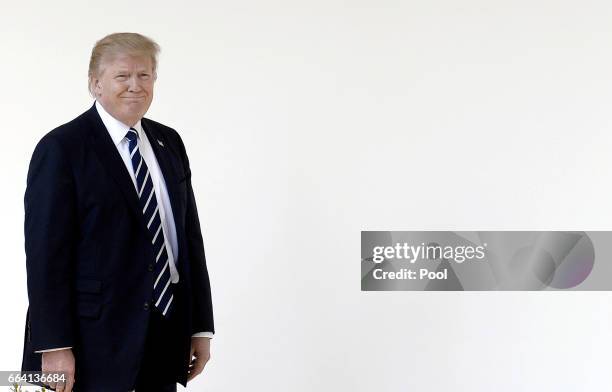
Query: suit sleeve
(50,235)
(201,296)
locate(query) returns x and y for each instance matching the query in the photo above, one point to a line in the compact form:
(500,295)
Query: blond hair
(120,43)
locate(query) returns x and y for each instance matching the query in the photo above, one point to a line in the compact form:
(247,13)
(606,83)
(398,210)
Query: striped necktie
(162,289)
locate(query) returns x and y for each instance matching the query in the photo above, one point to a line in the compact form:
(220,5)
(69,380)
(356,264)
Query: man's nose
(134,84)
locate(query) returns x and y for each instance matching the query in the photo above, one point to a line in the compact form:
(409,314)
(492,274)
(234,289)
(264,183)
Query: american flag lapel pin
(160,142)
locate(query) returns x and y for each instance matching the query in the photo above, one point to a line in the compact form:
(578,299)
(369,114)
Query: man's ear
(97,86)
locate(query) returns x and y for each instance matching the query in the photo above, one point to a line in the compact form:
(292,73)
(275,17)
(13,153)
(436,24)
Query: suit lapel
(166,164)
(107,152)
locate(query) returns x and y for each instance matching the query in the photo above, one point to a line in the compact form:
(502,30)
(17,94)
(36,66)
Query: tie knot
(132,134)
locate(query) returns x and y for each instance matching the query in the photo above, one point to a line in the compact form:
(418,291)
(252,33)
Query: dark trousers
(160,359)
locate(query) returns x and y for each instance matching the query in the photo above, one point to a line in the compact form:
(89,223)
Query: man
(119,295)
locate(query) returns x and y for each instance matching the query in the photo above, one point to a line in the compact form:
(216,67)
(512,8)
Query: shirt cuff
(52,349)
(203,335)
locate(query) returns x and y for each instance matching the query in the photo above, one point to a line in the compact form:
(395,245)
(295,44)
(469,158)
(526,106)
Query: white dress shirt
(117,131)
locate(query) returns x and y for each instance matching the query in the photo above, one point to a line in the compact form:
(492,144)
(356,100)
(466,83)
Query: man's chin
(135,110)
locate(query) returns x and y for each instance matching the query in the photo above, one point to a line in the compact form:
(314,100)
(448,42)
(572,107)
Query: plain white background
(309,121)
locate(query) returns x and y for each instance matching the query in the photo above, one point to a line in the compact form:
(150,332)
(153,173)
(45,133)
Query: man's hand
(200,349)
(60,361)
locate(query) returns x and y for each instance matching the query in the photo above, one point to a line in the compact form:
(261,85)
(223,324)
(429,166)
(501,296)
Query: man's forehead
(123,68)
(128,61)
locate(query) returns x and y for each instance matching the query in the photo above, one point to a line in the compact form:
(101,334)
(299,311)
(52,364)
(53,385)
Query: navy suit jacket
(88,254)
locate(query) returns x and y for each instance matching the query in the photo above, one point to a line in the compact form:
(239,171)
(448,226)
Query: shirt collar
(116,128)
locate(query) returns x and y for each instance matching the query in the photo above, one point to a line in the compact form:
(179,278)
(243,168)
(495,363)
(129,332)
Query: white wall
(307,122)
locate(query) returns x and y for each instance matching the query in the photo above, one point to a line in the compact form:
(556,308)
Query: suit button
(150,267)
(146,306)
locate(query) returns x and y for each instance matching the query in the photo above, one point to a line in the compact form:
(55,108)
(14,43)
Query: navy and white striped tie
(162,289)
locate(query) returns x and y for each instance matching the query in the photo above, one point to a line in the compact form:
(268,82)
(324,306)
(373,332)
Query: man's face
(124,87)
